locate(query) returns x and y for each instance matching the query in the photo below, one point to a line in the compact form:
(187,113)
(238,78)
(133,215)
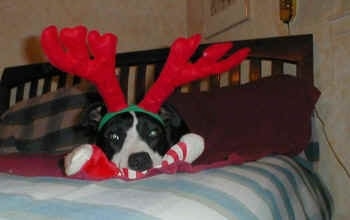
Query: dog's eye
(114,137)
(153,134)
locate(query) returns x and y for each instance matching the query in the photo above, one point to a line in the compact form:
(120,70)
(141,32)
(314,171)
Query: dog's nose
(140,161)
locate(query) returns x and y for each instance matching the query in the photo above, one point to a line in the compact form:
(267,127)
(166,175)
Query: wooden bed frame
(137,70)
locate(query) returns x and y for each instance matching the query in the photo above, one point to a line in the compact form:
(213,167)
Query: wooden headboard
(137,70)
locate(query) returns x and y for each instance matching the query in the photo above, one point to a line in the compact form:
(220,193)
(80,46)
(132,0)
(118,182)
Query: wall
(156,23)
(139,26)
(329,21)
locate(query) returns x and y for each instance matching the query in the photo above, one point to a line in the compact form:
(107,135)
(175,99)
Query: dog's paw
(75,160)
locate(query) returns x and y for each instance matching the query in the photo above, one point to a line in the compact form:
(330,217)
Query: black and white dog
(135,140)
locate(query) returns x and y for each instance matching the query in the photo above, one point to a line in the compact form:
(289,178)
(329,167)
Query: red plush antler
(178,70)
(70,52)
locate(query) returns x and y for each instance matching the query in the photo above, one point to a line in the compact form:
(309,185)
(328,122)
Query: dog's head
(134,139)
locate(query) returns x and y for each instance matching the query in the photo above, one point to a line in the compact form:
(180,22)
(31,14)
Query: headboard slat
(124,78)
(235,76)
(47,84)
(254,69)
(5,94)
(140,84)
(33,88)
(20,93)
(76,80)
(157,69)
(306,66)
(61,80)
(214,81)
(277,67)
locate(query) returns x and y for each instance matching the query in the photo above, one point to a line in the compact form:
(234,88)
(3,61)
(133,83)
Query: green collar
(133,108)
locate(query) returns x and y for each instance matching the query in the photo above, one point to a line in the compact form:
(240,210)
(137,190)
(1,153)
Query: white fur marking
(133,143)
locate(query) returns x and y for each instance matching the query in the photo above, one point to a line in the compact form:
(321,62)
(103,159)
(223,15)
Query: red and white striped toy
(89,162)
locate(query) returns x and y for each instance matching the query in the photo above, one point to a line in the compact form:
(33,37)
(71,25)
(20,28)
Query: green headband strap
(133,108)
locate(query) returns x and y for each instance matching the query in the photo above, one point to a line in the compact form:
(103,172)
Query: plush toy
(92,56)
(89,162)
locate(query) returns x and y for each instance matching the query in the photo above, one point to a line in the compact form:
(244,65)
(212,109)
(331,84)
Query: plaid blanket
(48,123)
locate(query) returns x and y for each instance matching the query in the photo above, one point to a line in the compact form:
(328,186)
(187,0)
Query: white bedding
(271,188)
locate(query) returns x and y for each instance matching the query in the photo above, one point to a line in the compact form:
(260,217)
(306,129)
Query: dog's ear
(175,126)
(92,115)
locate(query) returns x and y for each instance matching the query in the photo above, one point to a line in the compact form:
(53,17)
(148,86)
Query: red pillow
(269,116)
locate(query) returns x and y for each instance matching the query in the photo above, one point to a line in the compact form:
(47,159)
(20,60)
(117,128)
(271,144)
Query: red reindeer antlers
(70,51)
(179,70)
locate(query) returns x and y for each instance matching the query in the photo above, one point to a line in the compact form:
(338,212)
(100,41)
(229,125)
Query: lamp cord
(331,147)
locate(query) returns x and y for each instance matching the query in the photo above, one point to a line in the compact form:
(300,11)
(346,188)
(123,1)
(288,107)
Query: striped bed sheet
(275,187)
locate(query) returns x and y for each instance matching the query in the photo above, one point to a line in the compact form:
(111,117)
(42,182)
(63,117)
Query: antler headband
(92,56)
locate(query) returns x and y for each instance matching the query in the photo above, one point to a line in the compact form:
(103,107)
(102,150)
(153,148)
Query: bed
(265,103)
